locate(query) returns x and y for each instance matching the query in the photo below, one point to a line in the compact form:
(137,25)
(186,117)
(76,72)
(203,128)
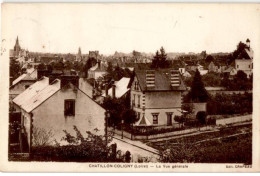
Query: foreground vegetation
(229,145)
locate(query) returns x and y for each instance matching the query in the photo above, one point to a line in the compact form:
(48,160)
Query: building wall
(134,101)
(96,74)
(156,102)
(85,86)
(19,88)
(50,114)
(99,74)
(199,107)
(167,99)
(162,116)
(243,64)
(212,67)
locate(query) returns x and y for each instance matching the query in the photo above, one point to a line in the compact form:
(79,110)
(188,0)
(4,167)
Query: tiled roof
(247,53)
(162,80)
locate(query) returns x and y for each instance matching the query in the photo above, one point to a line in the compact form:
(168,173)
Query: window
(237,66)
(136,85)
(248,66)
(155,118)
(169,118)
(139,97)
(133,103)
(69,107)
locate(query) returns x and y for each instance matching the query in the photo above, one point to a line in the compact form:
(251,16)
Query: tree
(68,65)
(198,92)
(120,109)
(160,59)
(59,65)
(15,68)
(93,148)
(209,59)
(42,137)
(88,65)
(201,117)
(41,66)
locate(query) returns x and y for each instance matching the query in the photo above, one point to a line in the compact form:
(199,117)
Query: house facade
(20,84)
(156,96)
(244,61)
(57,105)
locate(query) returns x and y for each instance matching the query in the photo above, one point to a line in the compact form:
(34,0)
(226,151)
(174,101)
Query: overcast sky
(127,27)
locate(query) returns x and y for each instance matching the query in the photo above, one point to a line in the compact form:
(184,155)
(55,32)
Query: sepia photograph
(130,87)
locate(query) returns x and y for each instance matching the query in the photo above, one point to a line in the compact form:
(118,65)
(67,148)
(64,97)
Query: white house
(57,105)
(244,61)
(156,96)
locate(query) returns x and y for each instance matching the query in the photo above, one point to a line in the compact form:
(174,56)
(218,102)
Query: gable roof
(162,80)
(31,91)
(41,96)
(247,53)
(229,69)
(121,87)
(23,77)
(39,92)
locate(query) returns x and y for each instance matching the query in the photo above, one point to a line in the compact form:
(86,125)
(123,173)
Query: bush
(230,104)
(201,117)
(80,149)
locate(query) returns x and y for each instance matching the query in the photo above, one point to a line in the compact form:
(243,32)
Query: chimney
(41,73)
(51,78)
(113,91)
(248,43)
(69,79)
(175,78)
(150,78)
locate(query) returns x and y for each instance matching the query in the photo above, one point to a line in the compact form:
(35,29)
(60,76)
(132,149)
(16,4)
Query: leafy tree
(59,65)
(93,148)
(241,75)
(201,117)
(119,110)
(15,68)
(240,48)
(68,65)
(41,66)
(209,59)
(198,92)
(90,62)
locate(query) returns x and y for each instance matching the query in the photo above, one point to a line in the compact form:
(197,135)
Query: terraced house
(156,96)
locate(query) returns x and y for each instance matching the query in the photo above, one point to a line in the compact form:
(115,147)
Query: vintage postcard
(130,87)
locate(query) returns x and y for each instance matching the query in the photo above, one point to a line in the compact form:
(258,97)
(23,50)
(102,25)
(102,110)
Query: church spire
(79,52)
(17,41)
(17,47)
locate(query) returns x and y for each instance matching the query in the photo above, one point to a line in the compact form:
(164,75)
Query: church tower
(17,47)
(79,57)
